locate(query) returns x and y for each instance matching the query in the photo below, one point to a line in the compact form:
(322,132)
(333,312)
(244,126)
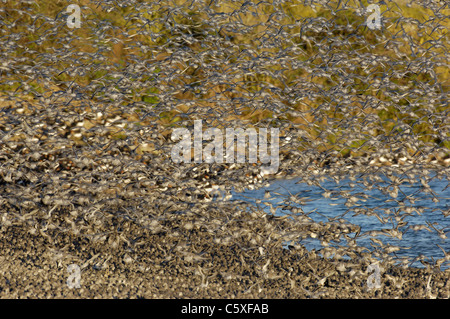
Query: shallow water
(414,242)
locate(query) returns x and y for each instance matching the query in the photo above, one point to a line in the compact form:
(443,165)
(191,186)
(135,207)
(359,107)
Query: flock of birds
(84,135)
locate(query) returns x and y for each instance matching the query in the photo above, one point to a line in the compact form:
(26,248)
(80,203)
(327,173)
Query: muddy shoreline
(159,267)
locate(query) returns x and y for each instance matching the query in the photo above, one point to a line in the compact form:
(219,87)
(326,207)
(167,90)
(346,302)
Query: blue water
(434,206)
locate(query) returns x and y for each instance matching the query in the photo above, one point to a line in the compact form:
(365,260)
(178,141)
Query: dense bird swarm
(87,114)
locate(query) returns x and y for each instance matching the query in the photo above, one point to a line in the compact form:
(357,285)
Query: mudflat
(193,265)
